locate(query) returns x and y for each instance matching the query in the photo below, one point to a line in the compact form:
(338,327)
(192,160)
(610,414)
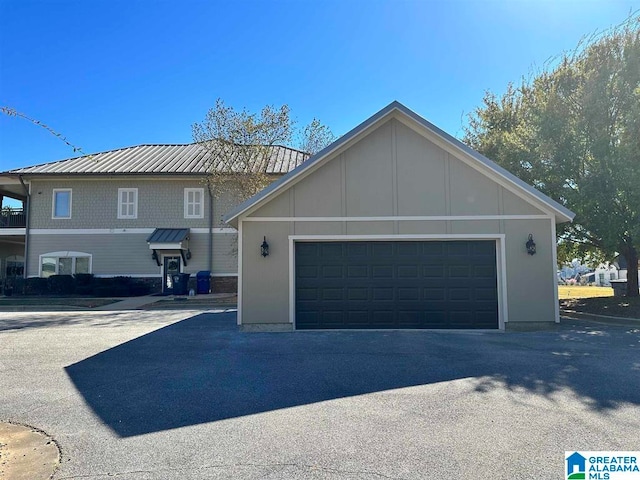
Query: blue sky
(110,74)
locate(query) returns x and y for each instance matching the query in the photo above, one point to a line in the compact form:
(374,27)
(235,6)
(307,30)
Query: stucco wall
(396,172)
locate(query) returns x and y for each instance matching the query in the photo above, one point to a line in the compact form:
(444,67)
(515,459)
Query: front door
(171,268)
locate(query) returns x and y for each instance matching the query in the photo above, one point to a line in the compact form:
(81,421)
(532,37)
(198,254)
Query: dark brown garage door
(425,284)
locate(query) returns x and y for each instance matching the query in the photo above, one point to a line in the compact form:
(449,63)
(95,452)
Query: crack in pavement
(337,471)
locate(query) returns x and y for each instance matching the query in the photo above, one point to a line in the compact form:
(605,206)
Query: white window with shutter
(127,203)
(194,203)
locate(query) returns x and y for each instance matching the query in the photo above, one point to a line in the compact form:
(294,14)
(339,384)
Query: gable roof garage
(397,225)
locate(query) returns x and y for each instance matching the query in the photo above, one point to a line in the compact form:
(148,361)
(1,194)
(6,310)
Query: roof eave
(561,213)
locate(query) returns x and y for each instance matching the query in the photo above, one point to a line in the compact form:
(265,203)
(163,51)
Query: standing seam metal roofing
(168,235)
(157,159)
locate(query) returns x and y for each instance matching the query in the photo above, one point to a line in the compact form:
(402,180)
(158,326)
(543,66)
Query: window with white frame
(194,203)
(61,203)
(64,263)
(127,203)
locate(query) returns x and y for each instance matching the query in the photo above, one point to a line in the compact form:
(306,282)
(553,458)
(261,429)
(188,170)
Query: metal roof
(168,235)
(561,213)
(184,159)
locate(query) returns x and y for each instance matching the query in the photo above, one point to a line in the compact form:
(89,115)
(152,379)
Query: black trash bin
(619,287)
(203,279)
(181,283)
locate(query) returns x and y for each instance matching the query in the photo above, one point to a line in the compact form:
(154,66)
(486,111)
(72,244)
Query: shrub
(84,290)
(104,291)
(36,286)
(83,279)
(111,287)
(138,288)
(61,284)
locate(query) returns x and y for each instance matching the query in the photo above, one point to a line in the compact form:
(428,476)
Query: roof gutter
(27,210)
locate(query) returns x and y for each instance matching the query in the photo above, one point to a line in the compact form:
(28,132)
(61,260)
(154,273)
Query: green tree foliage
(573,131)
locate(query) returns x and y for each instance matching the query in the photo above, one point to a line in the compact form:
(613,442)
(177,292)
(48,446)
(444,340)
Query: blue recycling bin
(203,282)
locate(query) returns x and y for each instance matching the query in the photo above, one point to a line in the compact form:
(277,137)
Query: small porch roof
(168,235)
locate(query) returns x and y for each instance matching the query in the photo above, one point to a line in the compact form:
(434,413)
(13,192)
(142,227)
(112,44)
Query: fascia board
(561,213)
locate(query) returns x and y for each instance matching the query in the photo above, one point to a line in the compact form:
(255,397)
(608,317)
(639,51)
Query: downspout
(27,210)
(210,249)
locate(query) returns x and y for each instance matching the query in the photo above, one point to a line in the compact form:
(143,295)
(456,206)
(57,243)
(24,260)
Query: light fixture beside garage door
(531,245)
(264,248)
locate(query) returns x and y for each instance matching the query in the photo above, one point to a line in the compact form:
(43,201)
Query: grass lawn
(582,291)
(597,300)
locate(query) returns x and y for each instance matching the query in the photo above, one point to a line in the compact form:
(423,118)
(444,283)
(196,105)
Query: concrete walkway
(198,301)
(131,303)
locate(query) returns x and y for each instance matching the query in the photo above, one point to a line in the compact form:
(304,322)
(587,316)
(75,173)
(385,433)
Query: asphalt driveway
(182,394)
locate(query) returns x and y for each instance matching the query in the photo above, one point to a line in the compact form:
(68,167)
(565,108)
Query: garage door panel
(407,271)
(433,271)
(331,294)
(489,294)
(307,271)
(382,271)
(457,294)
(332,271)
(381,249)
(307,249)
(382,294)
(408,294)
(358,271)
(357,294)
(483,248)
(408,249)
(459,271)
(437,293)
(435,249)
(484,271)
(382,318)
(426,284)
(331,249)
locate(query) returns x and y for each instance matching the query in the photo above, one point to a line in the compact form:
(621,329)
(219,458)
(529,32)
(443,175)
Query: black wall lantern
(531,245)
(264,248)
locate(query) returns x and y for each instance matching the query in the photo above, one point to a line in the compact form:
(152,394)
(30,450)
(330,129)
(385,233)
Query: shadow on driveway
(202,369)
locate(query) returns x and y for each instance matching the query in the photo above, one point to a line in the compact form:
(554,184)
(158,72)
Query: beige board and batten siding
(396,172)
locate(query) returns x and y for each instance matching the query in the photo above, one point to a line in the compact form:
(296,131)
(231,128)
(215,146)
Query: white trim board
(405,218)
(239,299)
(110,231)
(132,275)
(409,118)
(554,255)
(501,264)
(10,231)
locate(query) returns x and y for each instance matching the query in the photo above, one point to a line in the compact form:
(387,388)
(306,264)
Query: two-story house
(142,212)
